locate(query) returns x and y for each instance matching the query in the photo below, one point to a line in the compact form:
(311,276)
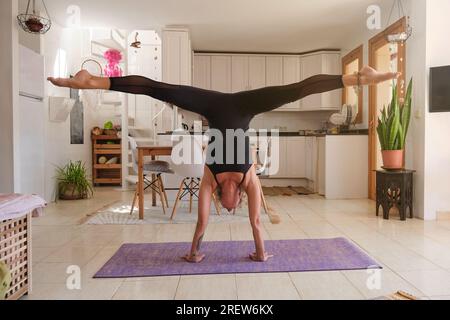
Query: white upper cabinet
(291,74)
(248,72)
(240,72)
(274,71)
(321,63)
(177,57)
(221,73)
(202,72)
(256,72)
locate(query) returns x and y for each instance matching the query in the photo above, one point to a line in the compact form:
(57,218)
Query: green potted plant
(73,182)
(393,128)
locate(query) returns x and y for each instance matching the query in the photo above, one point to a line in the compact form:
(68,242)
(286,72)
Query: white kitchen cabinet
(311,160)
(256,72)
(321,154)
(202,72)
(291,74)
(291,158)
(176,68)
(248,72)
(321,63)
(295,159)
(274,71)
(283,70)
(239,74)
(221,73)
(343,167)
(278,168)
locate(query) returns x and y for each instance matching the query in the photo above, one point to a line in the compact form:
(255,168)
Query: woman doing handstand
(226,111)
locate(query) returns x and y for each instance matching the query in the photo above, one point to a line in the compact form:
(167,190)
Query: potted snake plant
(393,128)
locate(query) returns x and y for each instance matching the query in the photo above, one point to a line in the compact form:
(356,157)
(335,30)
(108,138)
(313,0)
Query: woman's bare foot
(369,76)
(80,81)
(258,258)
(194,258)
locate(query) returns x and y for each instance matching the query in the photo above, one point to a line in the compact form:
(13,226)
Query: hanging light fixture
(136,44)
(401,37)
(32,22)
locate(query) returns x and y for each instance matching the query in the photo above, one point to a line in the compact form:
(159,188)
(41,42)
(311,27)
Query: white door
(291,74)
(239,74)
(202,72)
(221,73)
(32,146)
(295,159)
(256,72)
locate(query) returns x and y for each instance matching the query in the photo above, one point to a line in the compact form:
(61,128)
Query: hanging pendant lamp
(32,22)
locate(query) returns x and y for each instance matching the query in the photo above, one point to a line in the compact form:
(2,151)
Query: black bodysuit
(225,110)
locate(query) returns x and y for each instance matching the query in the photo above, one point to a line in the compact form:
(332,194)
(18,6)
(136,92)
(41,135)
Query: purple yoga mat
(164,259)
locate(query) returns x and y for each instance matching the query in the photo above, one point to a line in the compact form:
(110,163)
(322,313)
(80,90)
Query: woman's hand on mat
(197,258)
(258,258)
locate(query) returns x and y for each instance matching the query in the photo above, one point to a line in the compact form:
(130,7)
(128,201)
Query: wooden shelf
(110,174)
(110,152)
(105,138)
(107,146)
(108,166)
(107,181)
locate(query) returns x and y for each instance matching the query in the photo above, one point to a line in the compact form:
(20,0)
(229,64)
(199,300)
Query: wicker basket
(15,251)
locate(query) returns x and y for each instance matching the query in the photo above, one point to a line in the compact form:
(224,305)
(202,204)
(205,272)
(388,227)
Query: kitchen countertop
(300,133)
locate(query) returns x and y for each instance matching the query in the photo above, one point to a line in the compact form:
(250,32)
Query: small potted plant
(393,128)
(73,182)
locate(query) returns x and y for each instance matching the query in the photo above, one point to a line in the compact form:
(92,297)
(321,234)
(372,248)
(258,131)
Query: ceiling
(232,25)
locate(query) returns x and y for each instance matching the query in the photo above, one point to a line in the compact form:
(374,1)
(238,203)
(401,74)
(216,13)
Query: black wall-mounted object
(440,89)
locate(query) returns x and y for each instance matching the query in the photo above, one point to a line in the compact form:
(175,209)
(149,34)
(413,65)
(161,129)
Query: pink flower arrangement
(113,57)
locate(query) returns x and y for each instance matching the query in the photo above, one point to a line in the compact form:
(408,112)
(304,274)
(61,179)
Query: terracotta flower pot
(392,159)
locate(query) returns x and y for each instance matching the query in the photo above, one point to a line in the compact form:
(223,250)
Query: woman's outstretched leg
(270,98)
(189,98)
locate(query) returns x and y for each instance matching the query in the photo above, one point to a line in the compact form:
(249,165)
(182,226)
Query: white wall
(29,40)
(437,125)
(9,95)
(416,68)
(74,45)
(427,146)
(146,62)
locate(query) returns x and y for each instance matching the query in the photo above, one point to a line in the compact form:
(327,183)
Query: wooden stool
(395,189)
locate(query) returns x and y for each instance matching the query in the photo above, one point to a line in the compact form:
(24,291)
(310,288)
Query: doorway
(384,57)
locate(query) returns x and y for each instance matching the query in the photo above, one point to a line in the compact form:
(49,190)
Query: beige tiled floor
(415,254)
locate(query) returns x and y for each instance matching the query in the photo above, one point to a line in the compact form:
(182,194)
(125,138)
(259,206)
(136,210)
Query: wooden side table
(395,189)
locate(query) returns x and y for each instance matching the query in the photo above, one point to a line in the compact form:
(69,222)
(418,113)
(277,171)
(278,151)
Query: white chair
(150,168)
(191,167)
